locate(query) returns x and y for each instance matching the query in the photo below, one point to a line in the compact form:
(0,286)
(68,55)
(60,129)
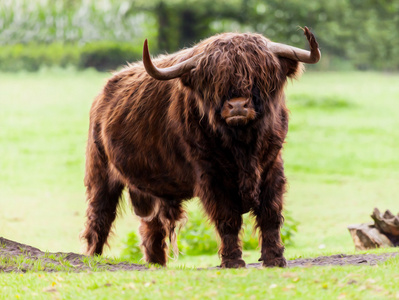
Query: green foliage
(108,55)
(132,251)
(33,56)
(67,21)
(352,34)
(180,23)
(198,237)
(289,229)
(103,35)
(103,55)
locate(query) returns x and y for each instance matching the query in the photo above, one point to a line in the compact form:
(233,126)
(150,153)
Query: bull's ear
(291,68)
(187,80)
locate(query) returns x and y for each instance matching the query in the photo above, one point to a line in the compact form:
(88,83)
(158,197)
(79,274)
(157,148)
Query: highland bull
(207,122)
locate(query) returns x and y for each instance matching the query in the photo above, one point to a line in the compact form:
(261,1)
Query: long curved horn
(309,57)
(170,72)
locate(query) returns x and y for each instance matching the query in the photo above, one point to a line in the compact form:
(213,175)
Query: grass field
(341,160)
(378,282)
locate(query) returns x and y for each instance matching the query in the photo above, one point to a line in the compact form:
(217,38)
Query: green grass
(23,263)
(43,121)
(341,161)
(378,282)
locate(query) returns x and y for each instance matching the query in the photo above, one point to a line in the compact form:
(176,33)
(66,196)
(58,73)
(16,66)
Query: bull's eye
(233,94)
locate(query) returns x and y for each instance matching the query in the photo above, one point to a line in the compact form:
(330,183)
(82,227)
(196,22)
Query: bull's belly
(161,181)
(163,186)
(150,164)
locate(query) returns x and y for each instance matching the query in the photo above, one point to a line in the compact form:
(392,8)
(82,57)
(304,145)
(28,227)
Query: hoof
(276,262)
(233,264)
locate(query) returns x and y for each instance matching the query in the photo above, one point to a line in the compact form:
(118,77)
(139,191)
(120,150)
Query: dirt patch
(60,261)
(53,262)
(338,260)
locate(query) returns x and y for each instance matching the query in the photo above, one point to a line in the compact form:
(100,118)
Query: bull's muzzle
(238,111)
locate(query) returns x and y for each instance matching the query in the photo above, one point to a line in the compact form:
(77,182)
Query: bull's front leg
(269,217)
(230,250)
(222,207)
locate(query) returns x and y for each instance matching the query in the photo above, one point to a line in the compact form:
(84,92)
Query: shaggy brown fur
(168,141)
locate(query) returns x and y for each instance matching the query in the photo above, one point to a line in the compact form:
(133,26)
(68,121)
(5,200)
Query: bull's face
(236,78)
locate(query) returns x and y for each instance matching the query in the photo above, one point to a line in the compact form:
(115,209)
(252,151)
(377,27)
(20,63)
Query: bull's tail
(174,227)
(173,242)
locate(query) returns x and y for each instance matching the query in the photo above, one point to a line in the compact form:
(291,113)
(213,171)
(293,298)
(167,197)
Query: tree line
(361,34)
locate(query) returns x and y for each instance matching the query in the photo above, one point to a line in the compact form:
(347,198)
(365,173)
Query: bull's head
(233,80)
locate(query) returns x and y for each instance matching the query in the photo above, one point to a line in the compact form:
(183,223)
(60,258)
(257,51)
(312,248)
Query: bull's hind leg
(158,221)
(101,213)
(152,230)
(103,193)
(269,217)
(153,234)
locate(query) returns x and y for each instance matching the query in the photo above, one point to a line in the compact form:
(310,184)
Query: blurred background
(357,34)
(341,155)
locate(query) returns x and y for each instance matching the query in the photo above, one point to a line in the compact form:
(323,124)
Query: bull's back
(139,138)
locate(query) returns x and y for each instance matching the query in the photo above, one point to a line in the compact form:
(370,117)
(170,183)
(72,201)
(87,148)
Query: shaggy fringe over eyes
(236,62)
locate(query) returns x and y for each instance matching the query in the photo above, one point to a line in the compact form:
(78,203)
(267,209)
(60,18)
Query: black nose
(238,106)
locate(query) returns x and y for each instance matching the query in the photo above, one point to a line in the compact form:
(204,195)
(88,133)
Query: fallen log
(384,232)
